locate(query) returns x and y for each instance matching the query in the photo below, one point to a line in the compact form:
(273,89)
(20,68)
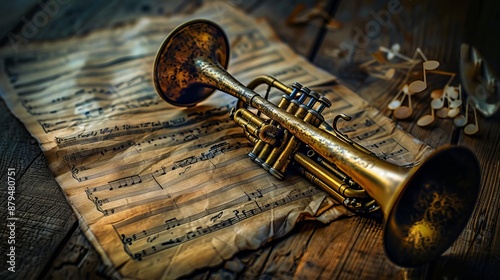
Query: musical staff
(139,128)
(125,182)
(235,217)
(174,222)
(77,170)
(141,182)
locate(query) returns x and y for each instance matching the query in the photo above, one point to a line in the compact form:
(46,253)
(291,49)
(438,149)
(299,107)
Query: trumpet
(425,207)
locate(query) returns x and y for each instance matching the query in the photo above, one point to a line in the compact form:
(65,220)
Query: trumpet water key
(425,207)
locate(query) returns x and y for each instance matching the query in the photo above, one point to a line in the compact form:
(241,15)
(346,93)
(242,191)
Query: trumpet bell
(175,76)
(433,208)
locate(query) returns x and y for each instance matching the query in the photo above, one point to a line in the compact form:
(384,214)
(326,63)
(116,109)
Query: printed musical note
(216,217)
(398,152)
(186,169)
(185,162)
(254,195)
(368,134)
(125,182)
(152,238)
(380,144)
(128,240)
(171,223)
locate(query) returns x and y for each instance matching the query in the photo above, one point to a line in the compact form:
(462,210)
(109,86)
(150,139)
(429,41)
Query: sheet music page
(161,191)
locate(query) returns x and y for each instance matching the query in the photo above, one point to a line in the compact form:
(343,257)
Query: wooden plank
(74,18)
(300,37)
(79,260)
(435,28)
(10,14)
(355,252)
(478,250)
(44,217)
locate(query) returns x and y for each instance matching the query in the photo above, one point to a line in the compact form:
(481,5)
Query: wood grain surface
(52,246)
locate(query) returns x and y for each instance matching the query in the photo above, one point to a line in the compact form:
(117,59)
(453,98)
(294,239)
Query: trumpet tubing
(424,210)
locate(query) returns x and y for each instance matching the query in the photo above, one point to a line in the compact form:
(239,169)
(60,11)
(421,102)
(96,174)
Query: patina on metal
(426,207)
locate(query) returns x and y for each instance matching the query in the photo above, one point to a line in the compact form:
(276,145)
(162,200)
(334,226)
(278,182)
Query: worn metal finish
(175,64)
(425,207)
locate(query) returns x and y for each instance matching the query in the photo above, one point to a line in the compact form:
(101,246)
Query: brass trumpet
(425,207)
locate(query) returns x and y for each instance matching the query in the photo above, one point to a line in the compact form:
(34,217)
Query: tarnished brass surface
(175,64)
(425,208)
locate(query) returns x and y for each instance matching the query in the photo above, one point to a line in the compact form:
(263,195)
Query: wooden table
(50,242)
